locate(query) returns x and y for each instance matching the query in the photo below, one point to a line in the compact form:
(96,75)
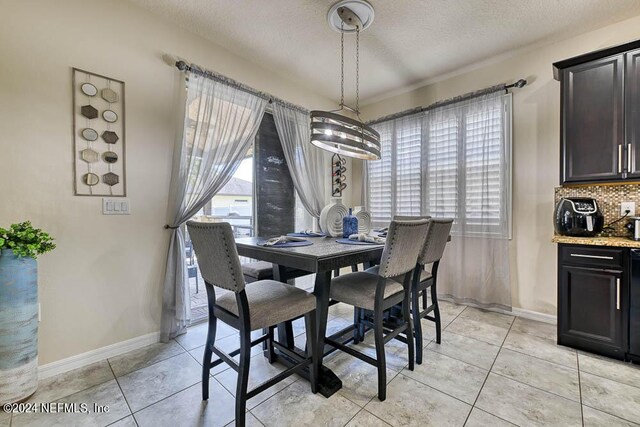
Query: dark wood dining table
(322,257)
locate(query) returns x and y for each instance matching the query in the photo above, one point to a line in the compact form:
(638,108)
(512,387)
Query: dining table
(324,256)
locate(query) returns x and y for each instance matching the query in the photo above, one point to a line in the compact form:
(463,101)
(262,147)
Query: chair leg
(243,377)
(380,356)
(417,324)
(425,303)
(312,349)
(406,314)
(271,354)
(356,323)
(208,352)
(361,315)
(436,312)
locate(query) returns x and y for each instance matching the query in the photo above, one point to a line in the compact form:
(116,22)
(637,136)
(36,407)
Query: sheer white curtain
(306,162)
(454,161)
(220,122)
(467,177)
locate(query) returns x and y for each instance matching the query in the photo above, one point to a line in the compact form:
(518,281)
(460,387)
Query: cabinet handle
(629,158)
(591,256)
(619,158)
(618,294)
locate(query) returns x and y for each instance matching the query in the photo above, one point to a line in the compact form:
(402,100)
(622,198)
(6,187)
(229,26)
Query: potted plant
(20,245)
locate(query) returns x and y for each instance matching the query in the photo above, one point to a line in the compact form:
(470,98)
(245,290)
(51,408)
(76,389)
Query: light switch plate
(630,206)
(116,206)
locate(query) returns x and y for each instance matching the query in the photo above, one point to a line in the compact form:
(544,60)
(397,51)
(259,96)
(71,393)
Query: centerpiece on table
(20,245)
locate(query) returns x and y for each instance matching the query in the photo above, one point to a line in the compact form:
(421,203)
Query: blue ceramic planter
(18,327)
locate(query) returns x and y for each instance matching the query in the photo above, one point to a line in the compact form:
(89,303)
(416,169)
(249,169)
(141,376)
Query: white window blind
(379,179)
(407,161)
(452,161)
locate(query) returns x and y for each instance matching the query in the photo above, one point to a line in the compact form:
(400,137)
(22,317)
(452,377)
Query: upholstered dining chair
(436,239)
(247,307)
(380,292)
(358,313)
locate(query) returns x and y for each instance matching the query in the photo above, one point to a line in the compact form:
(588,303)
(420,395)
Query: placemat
(306,235)
(356,242)
(287,244)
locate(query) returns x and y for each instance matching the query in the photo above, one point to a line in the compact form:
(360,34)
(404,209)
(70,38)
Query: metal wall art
(99,135)
(338,175)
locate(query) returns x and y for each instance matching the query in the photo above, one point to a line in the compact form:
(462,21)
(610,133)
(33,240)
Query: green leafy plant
(26,241)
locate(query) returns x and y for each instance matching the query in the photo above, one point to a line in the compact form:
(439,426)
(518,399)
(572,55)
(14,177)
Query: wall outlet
(628,206)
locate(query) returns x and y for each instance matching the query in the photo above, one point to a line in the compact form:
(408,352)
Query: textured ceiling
(410,41)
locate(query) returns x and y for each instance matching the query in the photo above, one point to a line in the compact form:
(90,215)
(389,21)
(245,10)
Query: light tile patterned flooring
(491,369)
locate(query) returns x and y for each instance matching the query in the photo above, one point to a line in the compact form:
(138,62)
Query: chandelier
(332,130)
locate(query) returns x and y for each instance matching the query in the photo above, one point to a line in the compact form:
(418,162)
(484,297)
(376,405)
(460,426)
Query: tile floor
(491,369)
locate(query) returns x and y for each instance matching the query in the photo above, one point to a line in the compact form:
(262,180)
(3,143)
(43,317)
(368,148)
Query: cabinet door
(592,121)
(632,111)
(590,310)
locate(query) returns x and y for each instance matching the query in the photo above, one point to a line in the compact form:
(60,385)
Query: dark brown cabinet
(632,111)
(593,284)
(600,131)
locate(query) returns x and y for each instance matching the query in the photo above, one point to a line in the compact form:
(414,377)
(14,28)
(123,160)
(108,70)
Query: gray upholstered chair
(437,237)
(247,307)
(380,292)
(358,313)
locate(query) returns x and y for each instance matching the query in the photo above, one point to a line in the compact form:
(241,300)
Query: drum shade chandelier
(331,130)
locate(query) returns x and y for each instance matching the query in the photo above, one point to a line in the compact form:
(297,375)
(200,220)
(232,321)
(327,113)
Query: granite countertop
(619,242)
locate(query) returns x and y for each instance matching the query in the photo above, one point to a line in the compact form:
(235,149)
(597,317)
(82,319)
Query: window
(451,161)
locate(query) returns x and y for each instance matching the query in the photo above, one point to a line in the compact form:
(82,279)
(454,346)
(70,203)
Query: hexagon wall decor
(110,178)
(89,111)
(89,155)
(99,135)
(110,137)
(109,95)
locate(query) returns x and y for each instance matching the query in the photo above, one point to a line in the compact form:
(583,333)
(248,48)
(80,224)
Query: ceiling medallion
(333,131)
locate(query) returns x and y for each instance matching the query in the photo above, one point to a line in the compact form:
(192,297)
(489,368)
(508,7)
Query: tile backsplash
(609,198)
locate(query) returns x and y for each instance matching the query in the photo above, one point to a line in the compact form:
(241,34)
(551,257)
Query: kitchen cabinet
(593,303)
(632,111)
(600,98)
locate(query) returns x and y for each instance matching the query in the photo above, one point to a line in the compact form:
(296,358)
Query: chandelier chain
(341,64)
(358,70)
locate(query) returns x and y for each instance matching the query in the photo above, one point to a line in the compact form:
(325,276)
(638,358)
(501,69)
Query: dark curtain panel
(275,197)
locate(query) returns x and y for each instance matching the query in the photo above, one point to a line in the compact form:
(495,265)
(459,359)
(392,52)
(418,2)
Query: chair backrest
(410,218)
(437,237)
(215,248)
(405,239)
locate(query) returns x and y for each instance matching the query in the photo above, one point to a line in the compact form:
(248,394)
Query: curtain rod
(502,86)
(194,69)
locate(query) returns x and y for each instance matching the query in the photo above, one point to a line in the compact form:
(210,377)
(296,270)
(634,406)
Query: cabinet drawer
(592,256)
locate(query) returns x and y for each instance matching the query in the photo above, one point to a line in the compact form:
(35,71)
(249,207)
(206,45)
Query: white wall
(102,284)
(536,131)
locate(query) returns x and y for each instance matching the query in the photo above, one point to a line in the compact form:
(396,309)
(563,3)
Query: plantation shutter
(379,184)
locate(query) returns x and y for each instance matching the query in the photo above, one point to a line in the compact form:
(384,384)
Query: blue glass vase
(349,224)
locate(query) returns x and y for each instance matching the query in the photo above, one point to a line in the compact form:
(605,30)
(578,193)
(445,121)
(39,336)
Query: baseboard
(84,359)
(520,312)
(535,315)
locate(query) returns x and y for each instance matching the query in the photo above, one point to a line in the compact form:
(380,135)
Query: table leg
(328,382)
(285,330)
